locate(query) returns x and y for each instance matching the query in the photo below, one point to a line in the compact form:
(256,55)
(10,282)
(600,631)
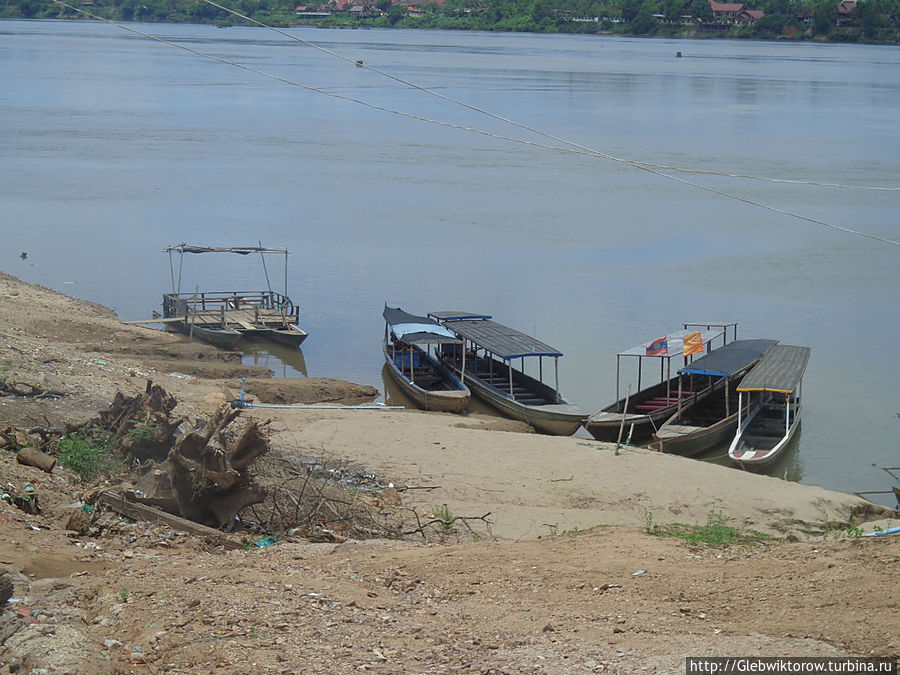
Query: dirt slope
(529,593)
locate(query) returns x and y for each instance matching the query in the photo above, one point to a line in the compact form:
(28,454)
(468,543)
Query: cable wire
(575,148)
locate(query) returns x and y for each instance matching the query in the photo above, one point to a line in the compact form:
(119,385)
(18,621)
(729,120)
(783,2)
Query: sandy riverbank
(547,584)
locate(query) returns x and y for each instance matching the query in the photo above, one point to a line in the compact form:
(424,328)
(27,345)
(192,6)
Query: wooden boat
(421,377)
(775,382)
(701,423)
(640,414)
(222,337)
(490,348)
(224,317)
(288,334)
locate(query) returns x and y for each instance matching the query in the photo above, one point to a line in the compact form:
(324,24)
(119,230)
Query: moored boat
(775,383)
(286,334)
(422,378)
(224,317)
(490,348)
(701,423)
(638,415)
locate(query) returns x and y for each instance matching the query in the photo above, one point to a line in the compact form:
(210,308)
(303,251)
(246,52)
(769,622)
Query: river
(115,146)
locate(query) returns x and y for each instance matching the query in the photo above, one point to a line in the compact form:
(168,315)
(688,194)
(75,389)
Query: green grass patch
(716,533)
(445,515)
(89,457)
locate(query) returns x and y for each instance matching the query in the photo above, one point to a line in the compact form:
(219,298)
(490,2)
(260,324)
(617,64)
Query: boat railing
(279,305)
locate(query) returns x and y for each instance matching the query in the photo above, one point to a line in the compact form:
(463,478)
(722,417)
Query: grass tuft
(716,533)
(90,458)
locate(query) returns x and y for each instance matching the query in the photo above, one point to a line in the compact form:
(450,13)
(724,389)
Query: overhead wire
(574,148)
(520,125)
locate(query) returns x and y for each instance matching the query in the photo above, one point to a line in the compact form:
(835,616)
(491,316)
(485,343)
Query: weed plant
(716,533)
(89,457)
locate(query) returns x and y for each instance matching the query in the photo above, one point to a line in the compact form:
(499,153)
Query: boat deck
(238,310)
(246,319)
(520,393)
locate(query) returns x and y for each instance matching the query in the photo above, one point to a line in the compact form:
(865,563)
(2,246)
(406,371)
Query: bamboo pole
(622,423)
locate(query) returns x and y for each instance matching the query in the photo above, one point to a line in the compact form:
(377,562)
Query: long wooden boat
(775,383)
(639,414)
(224,338)
(287,334)
(701,423)
(490,349)
(224,317)
(422,378)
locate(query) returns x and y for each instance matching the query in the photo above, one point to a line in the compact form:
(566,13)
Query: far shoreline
(364,25)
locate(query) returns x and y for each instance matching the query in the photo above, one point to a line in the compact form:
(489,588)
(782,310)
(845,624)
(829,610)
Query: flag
(659,347)
(693,343)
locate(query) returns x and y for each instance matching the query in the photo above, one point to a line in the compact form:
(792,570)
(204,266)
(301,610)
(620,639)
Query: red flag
(659,347)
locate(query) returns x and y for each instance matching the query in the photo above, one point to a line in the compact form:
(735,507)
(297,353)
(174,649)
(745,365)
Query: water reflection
(282,360)
(393,395)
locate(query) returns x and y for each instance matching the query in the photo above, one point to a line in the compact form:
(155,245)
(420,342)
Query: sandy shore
(534,484)
(546,584)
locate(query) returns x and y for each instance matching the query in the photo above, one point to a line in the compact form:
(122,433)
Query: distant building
(734,13)
(847,11)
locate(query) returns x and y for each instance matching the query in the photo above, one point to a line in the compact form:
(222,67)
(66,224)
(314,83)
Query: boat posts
(462,375)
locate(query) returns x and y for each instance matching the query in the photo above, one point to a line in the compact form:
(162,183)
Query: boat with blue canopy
(491,349)
(701,423)
(769,400)
(407,344)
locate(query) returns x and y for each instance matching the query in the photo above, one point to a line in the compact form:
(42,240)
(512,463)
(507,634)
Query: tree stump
(202,475)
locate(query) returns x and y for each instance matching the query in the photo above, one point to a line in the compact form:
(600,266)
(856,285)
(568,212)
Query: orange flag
(693,344)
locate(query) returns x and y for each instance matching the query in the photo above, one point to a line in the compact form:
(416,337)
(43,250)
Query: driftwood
(143,512)
(202,475)
(34,457)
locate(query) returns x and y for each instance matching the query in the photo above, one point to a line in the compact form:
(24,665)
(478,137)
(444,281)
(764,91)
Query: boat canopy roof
(729,360)
(507,343)
(676,343)
(780,370)
(240,250)
(414,329)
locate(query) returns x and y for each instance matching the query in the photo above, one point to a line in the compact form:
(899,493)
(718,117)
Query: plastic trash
(268,541)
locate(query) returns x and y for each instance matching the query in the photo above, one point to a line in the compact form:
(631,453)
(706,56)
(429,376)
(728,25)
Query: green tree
(823,17)
(396,13)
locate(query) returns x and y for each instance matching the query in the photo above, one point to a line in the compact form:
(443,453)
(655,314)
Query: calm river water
(115,146)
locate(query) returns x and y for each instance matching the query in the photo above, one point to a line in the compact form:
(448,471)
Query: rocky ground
(113,595)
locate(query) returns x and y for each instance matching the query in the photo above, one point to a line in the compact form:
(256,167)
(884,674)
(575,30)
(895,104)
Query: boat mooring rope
(574,148)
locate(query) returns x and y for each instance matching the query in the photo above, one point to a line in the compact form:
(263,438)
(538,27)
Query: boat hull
(291,336)
(605,425)
(453,400)
(755,448)
(689,440)
(225,338)
(560,419)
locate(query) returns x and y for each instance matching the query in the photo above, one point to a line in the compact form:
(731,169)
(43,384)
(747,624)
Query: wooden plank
(174,319)
(144,512)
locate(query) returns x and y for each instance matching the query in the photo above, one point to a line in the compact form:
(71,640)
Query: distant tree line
(874,21)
